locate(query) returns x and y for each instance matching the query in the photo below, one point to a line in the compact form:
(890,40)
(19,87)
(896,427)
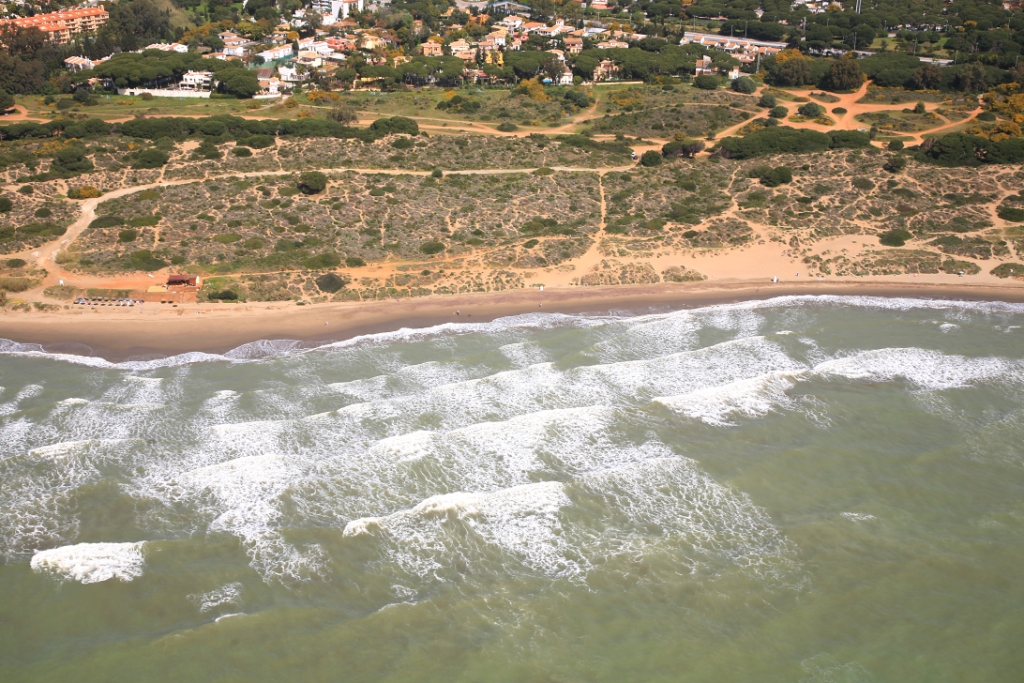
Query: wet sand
(153,330)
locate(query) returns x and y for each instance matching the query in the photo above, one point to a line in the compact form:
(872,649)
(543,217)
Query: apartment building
(61,27)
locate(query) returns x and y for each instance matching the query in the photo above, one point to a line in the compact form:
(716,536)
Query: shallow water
(800,489)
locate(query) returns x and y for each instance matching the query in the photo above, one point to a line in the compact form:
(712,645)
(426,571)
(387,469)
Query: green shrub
(530,244)
(895,145)
(507,127)
(26,189)
(402,142)
(43,212)
(767,101)
(744,85)
(224,295)
(986,116)
(105,222)
(323,261)
(144,260)
(16,263)
(894,238)
(227,238)
(811,110)
(127,235)
(150,158)
(330,283)
(1008,213)
(895,164)
(241,151)
(437,173)
(651,158)
(312,182)
(863,184)
(15,284)
(432,247)
(254,243)
(354,262)
(1005,270)
(778,112)
(777,176)
(839,110)
(706,82)
(144,221)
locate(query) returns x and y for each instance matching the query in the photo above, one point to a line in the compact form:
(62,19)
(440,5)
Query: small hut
(183,281)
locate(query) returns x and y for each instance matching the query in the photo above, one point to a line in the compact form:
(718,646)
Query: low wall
(198,94)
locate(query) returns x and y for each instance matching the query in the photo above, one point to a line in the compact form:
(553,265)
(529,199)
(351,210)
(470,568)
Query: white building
(289,74)
(167,47)
(196,80)
(338,9)
(279,52)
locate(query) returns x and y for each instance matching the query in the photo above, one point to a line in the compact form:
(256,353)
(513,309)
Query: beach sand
(153,330)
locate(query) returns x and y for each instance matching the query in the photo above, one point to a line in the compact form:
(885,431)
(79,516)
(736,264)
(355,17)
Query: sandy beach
(153,330)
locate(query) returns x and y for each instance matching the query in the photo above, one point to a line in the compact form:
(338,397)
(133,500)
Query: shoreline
(129,334)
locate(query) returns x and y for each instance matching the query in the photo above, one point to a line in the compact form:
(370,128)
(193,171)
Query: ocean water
(799,489)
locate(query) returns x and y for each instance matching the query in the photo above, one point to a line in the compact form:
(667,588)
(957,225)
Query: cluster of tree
(959,149)
(155,68)
(445,71)
(785,140)
(220,128)
(637,63)
(902,70)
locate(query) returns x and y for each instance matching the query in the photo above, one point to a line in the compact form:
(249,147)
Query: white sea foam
(666,503)
(926,368)
(521,521)
(14,405)
(63,448)
(92,562)
(245,501)
(857,516)
(754,397)
(231,594)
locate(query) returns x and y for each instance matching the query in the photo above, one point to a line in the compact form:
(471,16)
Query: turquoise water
(800,489)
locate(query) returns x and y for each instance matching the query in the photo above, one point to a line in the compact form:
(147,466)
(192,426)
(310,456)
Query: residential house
(368,41)
(290,74)
(309,59)
(463,50)
(704,67)
(342,43)
(606,70)
(611,44)
(432,48)
(573,45)
(196,80)
(276,53)
(79,63)
(337,9)
(512,22)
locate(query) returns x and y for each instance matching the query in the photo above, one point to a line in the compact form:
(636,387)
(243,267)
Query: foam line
(261,350)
